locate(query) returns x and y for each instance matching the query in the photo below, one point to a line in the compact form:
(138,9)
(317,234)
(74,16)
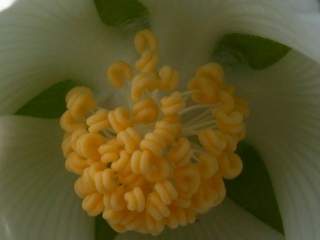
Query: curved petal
(189,29)
(227,222)
(37,199)
(45,41)
(285,127)
(306,5)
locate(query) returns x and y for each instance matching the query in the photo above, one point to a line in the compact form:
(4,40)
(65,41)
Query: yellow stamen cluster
(160,160)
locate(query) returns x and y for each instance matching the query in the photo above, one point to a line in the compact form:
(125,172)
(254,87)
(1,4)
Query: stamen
(161,158)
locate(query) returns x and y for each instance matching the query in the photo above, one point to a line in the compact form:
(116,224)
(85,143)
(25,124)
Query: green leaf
(102,230)
(257,52)
(121,12)
(50,103)
(253,188)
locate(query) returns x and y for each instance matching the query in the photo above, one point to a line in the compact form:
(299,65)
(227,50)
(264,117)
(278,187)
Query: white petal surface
(45,41)
(37,199)
(306,5)
(285,127)
(188,30)
(227,222)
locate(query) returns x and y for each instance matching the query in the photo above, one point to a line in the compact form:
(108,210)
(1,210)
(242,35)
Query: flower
(46,41)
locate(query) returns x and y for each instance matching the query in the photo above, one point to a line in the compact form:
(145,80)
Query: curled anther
(141,162)
(75,163)
(110,151)
(98,121)
(145,40)
(135,200)
(118,73)
(166,191)
(214,141)
(169,78)
(181,152)
(130,139)
(119,119)
(172,104)
(143,83)
(156,207)
(147,62)
(145,111)
(80,101)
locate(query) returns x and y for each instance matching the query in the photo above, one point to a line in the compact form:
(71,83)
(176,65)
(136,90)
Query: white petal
(188,30)
(227,222)
(285,127)
(306,5)
(37,199)
(45,41)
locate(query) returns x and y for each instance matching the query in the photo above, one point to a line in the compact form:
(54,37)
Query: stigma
(160,159)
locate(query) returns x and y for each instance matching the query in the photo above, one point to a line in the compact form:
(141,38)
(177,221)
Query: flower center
(160,159)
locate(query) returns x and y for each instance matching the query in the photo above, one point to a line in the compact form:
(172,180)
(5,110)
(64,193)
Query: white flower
(45,41)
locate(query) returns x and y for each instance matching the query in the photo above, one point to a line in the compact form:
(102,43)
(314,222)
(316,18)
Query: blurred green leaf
(121,12)
(257,52)
(50,103)
(102,230)
(253,189)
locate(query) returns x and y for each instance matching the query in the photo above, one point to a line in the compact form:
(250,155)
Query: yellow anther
(143,83)
(180,217)
(137,165)
(160,171)
(115,200)
(93,204)
(84,185)
(123,163)
(148,62)
(213,140)
(98,121)
(187,180)
(208,165)
(130,138)
(153,144)
(181,152)
(75,163)
(135,200)
(141,162)
(172,104)
(119,119)
(131,180)
(88,145)
(171,128)
(207,83)
(144,41)
(113,216)
(117,219)
(156,207)
(75,136)
(110,151)
(145,111)
(154,227)
(242,106)
(204,90)
(169,78)
(232,123)
(227,103)
(66,145)
(166,191)
(69,124)
(230,165)
(105,181)
(211,71)
(118,73)
(210,194)
(80,101)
